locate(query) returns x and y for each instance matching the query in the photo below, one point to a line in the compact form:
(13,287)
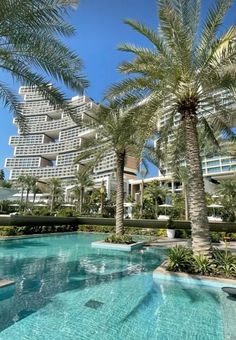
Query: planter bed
(118,246)
(161,273)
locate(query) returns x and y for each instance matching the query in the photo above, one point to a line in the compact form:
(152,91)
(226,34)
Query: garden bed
(118,246)
(161,273)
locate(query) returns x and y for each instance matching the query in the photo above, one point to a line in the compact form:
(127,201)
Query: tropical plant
(30,183)
(227,192)
(21,183)
(82,181)
(225,262)
(114,238)
(180,75)
(202,265)
(2,175)
(156,193)
(143,172)
(32,51)
(55,191)
(179,259)
(115,126)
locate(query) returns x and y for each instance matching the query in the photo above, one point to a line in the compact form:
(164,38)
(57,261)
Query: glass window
(212,163)
(211,170)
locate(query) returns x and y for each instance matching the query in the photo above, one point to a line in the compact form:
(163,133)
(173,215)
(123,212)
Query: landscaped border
(161,273)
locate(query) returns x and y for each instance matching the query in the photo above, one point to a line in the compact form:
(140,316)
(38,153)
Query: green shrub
(225,262)
(127,239)
(215,237)
(7,231)
(161,233)
(97,228)
(66,213)
(202,265)
(182,233)
(180,259)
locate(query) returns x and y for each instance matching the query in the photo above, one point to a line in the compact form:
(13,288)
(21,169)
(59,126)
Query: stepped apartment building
(50,145)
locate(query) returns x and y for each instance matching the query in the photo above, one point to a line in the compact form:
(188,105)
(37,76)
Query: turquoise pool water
(67,290)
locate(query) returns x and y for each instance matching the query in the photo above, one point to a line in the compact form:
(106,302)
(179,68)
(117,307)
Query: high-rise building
(49,146)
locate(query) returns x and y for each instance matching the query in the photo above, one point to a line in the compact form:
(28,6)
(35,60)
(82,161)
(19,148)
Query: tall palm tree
(188,64)
(32,52)
(82,181)
(227,192)
(21,183)
(115,126)
(55,190)
(30,183)
(2,175)
(143,172)
(35,190)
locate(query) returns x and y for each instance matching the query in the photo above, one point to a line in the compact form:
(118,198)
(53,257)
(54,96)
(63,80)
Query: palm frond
(214,19)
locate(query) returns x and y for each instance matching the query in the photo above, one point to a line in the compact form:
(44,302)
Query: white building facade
(49,146)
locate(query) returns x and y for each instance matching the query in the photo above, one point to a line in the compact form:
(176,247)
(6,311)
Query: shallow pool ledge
(5,283)
(160,273)
(117,246)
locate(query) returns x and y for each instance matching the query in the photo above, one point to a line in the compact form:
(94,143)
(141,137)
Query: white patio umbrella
(166,206)
(68,205)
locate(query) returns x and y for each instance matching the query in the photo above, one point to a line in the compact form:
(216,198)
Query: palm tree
(21,184)
(32,52)
(156,193)
(115,126)
(227,192)
(181,75)
(55,190)
(30,183)
(35,190)
(143,172)
(2,175)
(83,181)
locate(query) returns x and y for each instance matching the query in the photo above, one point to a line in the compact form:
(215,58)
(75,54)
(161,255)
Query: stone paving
(165,242)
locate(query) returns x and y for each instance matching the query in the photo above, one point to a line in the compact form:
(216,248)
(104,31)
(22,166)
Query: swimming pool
(67,290)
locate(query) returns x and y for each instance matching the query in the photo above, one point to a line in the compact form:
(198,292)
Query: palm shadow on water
(38,280)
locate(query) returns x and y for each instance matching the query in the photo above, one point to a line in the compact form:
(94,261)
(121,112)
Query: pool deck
(167,243)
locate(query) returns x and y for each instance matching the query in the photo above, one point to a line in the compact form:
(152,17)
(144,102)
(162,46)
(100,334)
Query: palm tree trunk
(186,202)
(21,195)
(52,202)
(141,199)
(27,197)
(81,200)
(198,211)
(156,208)
(120,164)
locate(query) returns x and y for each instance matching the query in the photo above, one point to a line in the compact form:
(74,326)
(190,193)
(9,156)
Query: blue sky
(100,30)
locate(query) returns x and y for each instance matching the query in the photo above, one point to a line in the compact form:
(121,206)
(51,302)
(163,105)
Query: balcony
(46,172)
(48,148)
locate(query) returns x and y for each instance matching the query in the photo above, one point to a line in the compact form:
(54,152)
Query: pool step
(6,282)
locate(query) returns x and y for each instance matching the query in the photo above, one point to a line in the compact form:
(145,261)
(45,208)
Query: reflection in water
(39,278)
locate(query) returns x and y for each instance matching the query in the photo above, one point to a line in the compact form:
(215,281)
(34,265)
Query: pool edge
(161,273)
